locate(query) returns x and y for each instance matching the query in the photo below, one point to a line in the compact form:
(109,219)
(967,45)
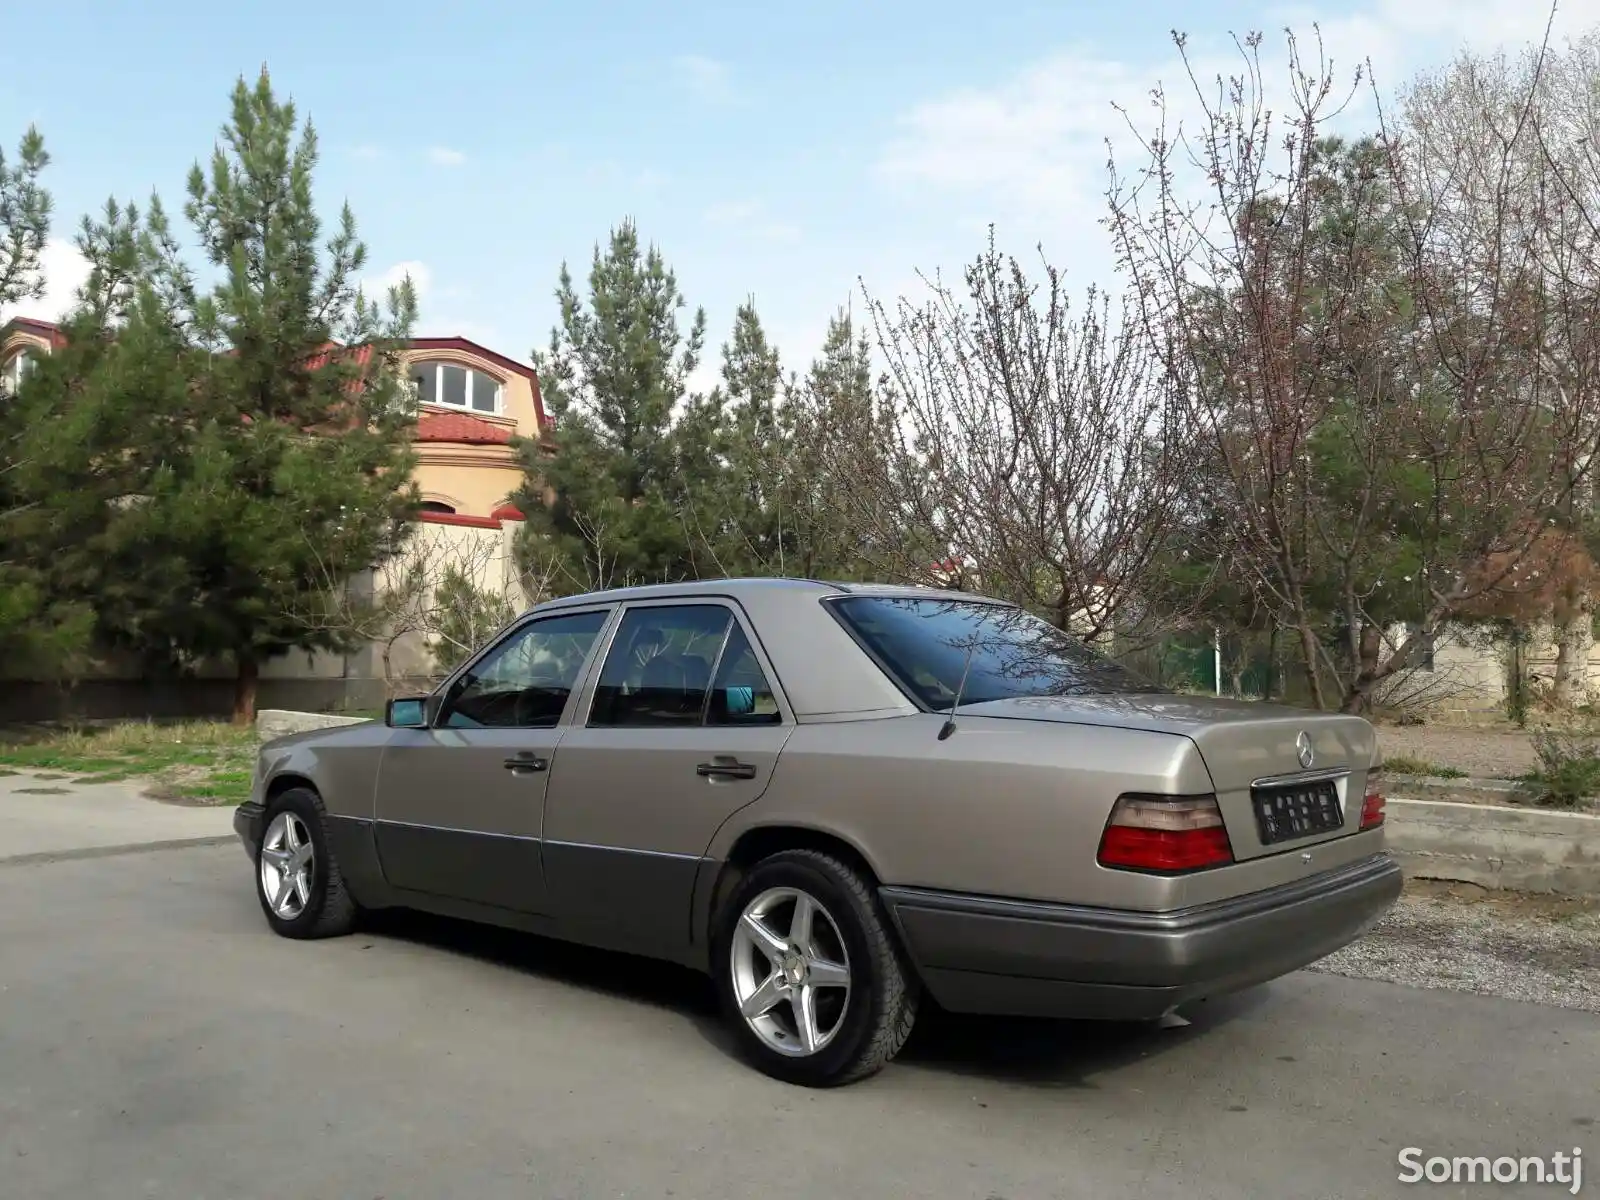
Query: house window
(436,506)
(16,369)
(455,386)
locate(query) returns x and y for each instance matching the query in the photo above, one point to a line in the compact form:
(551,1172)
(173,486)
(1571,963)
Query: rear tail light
(1165,835)
(1372,804)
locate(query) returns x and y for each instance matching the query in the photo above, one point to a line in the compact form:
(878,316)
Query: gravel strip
(1539,955)
(1482,753)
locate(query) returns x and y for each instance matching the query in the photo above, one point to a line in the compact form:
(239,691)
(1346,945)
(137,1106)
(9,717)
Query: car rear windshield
(924,642)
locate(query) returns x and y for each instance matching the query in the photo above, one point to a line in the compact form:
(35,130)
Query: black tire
(330,910)
(884,992)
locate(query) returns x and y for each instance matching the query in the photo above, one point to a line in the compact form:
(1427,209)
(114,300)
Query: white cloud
(377,285)
(65,270)
(367,151)
(444,156)
(730,212)
(748,218)
(705,78)
(612,174)
(1031,150)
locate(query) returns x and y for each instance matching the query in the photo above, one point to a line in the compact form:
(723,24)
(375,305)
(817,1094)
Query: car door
(684,724)
(460,805)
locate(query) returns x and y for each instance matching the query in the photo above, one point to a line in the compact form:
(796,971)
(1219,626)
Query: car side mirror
(409,712)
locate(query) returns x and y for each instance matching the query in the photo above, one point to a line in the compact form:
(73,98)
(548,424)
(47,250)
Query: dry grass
(205,762)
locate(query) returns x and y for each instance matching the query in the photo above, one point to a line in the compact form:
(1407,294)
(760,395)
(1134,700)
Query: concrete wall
(1497,846)
(1470,677)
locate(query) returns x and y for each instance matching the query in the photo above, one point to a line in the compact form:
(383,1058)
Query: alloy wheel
(287,859)
(791,971)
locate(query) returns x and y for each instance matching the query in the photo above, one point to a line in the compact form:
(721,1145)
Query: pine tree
(614,378)
(300,472)
(238,454)
(737,458)
(841,460)
(39,630)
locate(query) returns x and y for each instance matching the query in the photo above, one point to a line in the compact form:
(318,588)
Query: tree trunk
(1358,697)
(1574,634)
(1308,650)
(1574,621)
(244,691)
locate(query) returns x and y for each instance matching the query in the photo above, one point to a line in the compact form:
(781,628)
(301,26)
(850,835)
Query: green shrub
(1569,767)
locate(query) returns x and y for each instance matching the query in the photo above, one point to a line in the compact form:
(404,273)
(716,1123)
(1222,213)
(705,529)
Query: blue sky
(783,152)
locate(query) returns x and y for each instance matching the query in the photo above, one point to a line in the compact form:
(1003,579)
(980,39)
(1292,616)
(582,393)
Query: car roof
(822,669)
(740,587)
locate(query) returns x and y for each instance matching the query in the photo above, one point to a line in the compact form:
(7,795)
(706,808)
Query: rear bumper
(1016,958)
(247,824)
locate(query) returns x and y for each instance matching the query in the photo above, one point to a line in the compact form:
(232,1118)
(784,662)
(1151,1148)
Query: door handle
(726,768)
(526,761)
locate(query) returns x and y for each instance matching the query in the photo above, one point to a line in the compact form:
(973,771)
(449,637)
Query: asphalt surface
(45,816)
(156,1040)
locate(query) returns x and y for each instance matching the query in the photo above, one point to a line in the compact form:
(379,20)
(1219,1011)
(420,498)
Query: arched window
(456,386)
(436,506)
(15,370)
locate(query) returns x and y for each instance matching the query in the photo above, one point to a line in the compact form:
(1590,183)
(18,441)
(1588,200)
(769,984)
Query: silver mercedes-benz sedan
(836,800)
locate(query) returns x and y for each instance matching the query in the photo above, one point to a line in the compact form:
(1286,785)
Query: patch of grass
(1404,764)
(180,755)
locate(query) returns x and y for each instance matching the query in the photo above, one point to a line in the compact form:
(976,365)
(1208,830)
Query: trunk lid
(1244,744)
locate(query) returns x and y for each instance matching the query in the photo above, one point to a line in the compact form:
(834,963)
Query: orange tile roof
(460,427)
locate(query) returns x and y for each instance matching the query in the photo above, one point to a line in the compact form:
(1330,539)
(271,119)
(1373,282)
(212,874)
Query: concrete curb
(1496,846)
(281,722)
(1487,791)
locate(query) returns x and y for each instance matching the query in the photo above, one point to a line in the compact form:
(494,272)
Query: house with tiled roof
(471,403)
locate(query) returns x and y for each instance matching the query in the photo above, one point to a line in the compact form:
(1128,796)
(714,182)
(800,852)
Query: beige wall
(473,480)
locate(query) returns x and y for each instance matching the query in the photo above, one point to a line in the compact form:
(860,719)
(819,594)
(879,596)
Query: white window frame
(16,367)
(476,377)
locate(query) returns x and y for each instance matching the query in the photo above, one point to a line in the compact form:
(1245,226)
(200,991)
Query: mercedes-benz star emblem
(1302,747)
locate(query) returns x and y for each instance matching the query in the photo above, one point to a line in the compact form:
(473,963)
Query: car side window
(524,682)
(740,694)
(658,670)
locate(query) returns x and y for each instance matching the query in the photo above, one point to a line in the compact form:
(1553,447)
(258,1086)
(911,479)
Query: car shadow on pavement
(1059,1054)
(1039,1053)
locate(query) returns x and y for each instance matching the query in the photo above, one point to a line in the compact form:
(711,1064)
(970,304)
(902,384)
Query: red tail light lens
(1165,835)
(1373,804)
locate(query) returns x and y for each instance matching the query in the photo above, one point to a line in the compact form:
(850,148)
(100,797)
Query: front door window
(524,683)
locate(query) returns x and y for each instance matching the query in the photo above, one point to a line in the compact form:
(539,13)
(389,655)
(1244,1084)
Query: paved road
(157,1041)
(44,817)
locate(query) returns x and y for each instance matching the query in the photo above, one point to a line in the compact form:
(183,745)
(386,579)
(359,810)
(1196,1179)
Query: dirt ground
(1481,753)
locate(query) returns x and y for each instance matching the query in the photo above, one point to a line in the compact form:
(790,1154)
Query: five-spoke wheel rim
(791,972)
(286,862)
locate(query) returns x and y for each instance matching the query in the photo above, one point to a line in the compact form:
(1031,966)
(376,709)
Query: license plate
(1296,811)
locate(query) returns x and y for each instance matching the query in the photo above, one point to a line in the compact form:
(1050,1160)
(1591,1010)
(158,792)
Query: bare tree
(1512,143)
(432,605)
(1022,446)
(1359,362)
